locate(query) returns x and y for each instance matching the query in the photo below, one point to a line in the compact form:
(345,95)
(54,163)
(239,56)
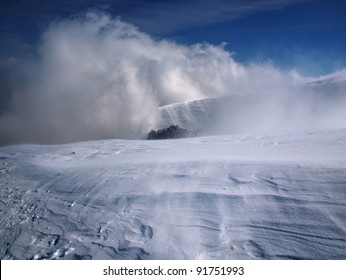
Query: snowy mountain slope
(220,115)
(274,196)
(309,105)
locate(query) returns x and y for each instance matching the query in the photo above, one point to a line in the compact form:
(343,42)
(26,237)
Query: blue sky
(308,35)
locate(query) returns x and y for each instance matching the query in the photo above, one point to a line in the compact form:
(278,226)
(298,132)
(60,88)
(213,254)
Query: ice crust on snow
(265,196)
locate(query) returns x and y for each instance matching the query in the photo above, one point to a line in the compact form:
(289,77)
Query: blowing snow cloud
(96,77)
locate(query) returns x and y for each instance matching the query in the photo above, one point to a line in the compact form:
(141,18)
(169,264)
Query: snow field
(219,197)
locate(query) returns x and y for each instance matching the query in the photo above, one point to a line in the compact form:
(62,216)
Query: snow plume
(95,77)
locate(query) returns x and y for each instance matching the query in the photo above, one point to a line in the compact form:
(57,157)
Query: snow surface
(274,196)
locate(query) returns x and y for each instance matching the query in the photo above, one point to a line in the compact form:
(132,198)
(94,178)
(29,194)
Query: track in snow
(225,197)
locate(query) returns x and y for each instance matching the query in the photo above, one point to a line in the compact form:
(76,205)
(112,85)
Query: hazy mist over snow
(97,77)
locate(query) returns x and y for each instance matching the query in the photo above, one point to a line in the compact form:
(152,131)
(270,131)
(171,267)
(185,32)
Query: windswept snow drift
(221,197)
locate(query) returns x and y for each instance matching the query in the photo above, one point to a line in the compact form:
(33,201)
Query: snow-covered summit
(318,103)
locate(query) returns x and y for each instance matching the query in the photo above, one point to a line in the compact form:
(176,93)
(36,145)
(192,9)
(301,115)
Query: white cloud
(180,15)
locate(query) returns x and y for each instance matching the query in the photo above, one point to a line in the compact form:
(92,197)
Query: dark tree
(152,135)
(173,131)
